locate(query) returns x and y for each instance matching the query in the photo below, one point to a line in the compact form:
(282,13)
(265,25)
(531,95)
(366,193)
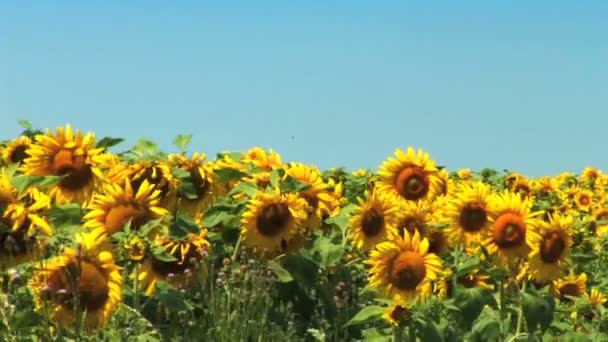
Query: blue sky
(520,84)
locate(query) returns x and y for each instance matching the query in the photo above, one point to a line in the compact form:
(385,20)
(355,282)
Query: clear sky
(520,85)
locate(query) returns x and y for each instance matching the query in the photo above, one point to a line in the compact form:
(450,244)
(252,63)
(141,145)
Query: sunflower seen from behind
(82,284)
(410,175)
(118,204)
(551,248)
(272,220)
(402,268)
(514,227)
(71,155)
(373,221)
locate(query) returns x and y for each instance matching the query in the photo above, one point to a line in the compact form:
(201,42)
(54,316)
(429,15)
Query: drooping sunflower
(82,283)
(411,176)
(550,248)
(402,268)
(272,220)
(514,228)
(572,285)
(16,150)
(203,181)
(468,213)
(185,270)
(22,236)
(444,285)
(118,203)
(596,297)
(66,154)
(373,221)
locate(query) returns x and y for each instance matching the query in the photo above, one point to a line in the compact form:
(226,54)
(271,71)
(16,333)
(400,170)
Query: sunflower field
(146,245)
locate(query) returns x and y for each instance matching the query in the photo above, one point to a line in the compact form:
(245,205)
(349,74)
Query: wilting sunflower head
(265,161)
(16,151)
(551,248)
(514,227)
(272,220)
(468,213)
(397,314)
(120,203)
(80,283)
(373,221)
(72,156)
(411,176)
(574,286)
(402,269)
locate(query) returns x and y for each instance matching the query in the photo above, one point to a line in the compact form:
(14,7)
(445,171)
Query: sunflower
(397,314)
(596,297)
(412,176)
(468,213)
(22,237)
(373,221)
(16,151)
(265,161)
(445,184)
(590,174)
(319,196)
(136,248)
(512,178)
(117,204)
(545,186)
(570,286)
(550,248)
(414,216)
(522,187)
(34,199)
(226,162)
(157,173)
(72,156)
(402,268)
(272,220)
(203,182)
(513,229)
(82,283)
(185,270)
(600,220)
(584,200)
(444,285)
(439,242)
(465,173)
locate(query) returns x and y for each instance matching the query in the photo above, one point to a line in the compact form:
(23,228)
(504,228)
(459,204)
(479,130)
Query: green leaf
(341,220)
(149,226)
(467,266)
(182,225)
(249,189)
(161,254)
(427,331)
(303,268)
(25,124)
(219,215)
(329,252)
(145,146)
(472,301)
(282,274)
(275,177)
(227,175)
(187,187)
(366,315)
(182,141)
(290,184)
(67,214)
(486,329)
(107,142)
(24,182)
(538,310)
(172,298)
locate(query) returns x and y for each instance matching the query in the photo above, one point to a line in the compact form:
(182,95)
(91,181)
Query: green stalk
(520,310)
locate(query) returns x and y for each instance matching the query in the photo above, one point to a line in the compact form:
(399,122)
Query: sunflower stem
(520,310)
(398,333)
(136,303)
(236,247)
(501,298)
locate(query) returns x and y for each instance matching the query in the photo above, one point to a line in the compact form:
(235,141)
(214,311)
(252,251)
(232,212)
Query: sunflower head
(596,297)
(22,237)
(264,160)
(465,173)
(185,268)
(204,189)
(514,227)
(590,174)
(373,221)
(402,268)
(468,213)
(69,154)
(550,248)
(584,200)
(411,176)
(573,286)
(16,151)
(80,284)
(397,314)
(272,220)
